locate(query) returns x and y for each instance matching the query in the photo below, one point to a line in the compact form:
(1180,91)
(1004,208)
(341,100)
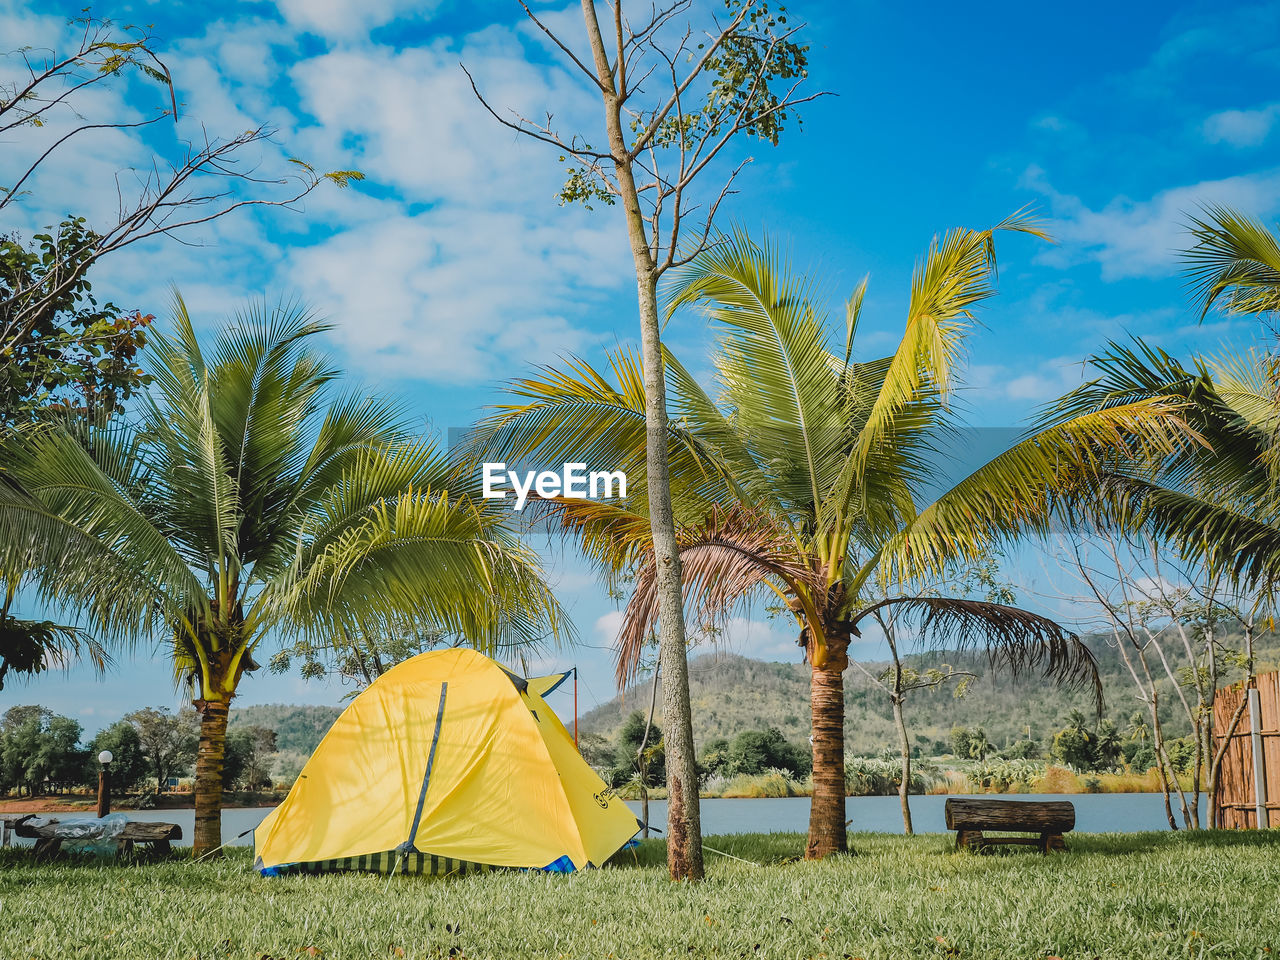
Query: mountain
(732,693)
(298,728)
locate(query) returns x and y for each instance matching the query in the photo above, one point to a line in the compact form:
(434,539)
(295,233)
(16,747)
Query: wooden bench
(970,817)
(155,835)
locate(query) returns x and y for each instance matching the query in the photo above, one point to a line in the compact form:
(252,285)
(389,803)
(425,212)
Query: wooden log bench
(156,836)
(973,817)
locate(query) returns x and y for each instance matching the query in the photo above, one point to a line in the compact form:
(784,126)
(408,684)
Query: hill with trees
(732,693)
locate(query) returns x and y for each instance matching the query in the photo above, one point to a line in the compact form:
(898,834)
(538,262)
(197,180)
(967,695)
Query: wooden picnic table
(155,835)
(973,817)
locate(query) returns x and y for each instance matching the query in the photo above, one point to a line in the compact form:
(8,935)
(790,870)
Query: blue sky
(453,267)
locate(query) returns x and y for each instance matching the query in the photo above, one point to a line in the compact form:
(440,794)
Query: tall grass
(879,777)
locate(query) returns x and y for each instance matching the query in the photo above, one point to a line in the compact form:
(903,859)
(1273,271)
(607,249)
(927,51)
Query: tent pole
(575,708)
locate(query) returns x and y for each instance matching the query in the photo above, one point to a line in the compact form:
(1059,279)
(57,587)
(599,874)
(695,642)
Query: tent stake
(731,856)
(394,871)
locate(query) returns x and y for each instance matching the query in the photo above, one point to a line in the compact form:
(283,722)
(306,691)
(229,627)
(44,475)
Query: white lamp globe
(105,757)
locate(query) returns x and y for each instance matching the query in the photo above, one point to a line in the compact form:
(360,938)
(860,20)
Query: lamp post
(104,784)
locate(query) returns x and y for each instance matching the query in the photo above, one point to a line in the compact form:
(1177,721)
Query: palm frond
(776,371)
(32,646)
(956,274)
(1234,263)
(1012,638)
(724,560)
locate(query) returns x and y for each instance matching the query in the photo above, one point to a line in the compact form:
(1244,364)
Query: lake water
(1095,813)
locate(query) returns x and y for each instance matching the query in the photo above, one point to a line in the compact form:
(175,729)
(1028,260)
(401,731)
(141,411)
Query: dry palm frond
(723,560)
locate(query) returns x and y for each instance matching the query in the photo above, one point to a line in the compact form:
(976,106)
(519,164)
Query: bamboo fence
(1254,744)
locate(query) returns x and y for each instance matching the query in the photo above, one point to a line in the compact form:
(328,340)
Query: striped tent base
(391,861)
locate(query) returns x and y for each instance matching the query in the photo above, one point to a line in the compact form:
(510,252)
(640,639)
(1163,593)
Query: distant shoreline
(11,806)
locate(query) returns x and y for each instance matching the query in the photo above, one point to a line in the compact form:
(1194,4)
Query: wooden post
(104,792)
(1259,760)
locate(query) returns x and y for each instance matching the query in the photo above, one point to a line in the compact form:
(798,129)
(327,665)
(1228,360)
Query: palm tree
(1214,503)
(245,501)
(802,479)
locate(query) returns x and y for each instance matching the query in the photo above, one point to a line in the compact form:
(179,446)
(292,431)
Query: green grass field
(1134,895)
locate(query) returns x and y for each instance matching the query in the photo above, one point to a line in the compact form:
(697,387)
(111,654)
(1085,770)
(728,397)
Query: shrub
(1005,776)
(771,783)
(880,777)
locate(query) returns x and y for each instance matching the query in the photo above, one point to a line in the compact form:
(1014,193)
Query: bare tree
(201,182)
(674,97)
(1010,637)
(1172,624)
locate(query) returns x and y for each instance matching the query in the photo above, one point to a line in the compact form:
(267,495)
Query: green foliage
(129,766)
(249,498)
(731,693)
(581,185)
(31,646)
(756,751)
(629,762)
(970,744)
(38,745)
(762,47)
(1073,747)
(1021,750)
(297,728)
(1002,775)
(168,739)
(1182,753)
(1084,747)
(250,751)
(74,355)
(766,783)
(881,776)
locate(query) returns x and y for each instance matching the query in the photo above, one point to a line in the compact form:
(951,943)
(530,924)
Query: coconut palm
(1215,503)
(31,646)
(803,479)
(246,501)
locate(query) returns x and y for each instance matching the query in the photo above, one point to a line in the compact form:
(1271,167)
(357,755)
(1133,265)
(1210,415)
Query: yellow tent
(446,763)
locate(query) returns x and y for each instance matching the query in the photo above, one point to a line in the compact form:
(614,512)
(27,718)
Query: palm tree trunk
(826,809)
(684,826)
(904,788)
(209,756)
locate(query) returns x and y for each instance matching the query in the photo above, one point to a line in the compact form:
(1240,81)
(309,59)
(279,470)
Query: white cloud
(1242,128)
(761,639)
(410,119)
(1142,238)
(451,295)
(451,262)
(339,18)
(1050,380)
(758,639)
